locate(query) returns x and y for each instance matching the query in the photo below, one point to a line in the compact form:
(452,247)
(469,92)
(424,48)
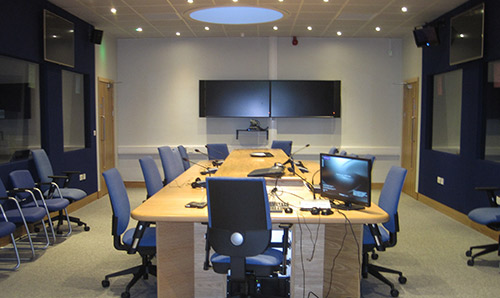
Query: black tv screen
(15,101)
(466,36)
(59,39)
(305,98)
(346,179)
(236,98)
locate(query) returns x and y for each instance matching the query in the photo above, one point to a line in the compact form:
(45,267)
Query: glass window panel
(492,113)
(73,110)
(19,109)
(447,112)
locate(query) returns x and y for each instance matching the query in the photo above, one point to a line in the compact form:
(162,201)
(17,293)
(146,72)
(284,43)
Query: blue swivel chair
(23,181)
(172,163)
(184,157)
(141,239)
(333,150)
(239,230)
(343,152)
(488,216)
(151,175)
(383,236)
(7,228)
(286,146)
(50,184)
(217,151)
(24,215)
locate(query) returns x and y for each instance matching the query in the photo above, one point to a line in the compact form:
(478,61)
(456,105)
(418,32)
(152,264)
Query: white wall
(157,98)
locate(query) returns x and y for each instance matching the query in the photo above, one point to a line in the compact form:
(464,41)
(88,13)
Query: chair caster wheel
(86,229)
(125,295)
(468,253)
(470,262)
(105,283)
(402,280)
(394,293)
(374,256)
(80,224)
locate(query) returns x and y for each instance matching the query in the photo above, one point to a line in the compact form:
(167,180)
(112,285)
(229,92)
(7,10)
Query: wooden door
(410,135)
(106,129)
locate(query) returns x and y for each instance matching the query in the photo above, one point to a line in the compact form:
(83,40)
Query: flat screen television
(305,98)
(15,101)
(346,179)
(58,39)
(236,98)
(466,36)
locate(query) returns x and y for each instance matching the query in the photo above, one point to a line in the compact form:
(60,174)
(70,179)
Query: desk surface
(168,204)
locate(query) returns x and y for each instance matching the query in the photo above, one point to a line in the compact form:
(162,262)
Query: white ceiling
(354,18)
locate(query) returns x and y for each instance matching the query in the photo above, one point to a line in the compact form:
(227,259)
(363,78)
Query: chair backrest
(238,211)
(370,157)
(184,157)
(3,191)
(22,179)
(43,167)
(390,194)
(286,146)
(171,162)
(333,150)
(217,151)
(119,201)
(151,175)
(343,152)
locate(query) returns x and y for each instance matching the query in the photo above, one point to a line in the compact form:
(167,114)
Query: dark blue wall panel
(21,37)
(463,172)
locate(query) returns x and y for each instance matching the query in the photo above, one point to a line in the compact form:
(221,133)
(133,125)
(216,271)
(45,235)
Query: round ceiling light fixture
(236,15)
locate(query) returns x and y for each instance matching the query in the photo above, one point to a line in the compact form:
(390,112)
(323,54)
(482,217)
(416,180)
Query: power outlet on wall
(83,176)
(440,180)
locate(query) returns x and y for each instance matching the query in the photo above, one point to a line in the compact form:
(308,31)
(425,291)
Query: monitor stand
(347,206)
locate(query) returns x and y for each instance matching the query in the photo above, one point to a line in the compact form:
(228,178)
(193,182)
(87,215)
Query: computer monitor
(346,179)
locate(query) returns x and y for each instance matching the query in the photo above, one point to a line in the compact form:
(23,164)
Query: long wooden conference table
(326,249)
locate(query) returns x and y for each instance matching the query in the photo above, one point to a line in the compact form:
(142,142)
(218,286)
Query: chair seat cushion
(485,215)
(368,238)
(52,204)
(6,228)
(31,214)
(148,238)
(271,257)
(73,194)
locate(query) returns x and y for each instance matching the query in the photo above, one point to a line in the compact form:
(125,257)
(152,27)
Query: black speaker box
(96,36)
(426,36)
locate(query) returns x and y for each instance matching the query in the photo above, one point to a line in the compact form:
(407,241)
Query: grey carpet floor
(430,251)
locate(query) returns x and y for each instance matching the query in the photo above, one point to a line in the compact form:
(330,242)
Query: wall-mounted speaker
(96,36)
(426,36)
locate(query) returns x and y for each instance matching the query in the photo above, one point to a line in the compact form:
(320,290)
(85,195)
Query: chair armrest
(69,174)
(490,192)
(139,231)
(374,230)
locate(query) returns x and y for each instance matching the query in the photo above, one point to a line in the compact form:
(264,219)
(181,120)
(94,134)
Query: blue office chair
(217,151)
(333,150)
(23,181)
(343,153)
(49,184)
(172,163)
(151,175)
(286,146)
(7,228)
(141,239)
(380,237)
(184,157)
(239,230)
(488,216)
(23,215)
(370,157)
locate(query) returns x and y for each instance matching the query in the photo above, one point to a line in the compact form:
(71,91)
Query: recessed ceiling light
(235,1)
(309,28)
(178,33)
(377,29)
(113,10)
(207,28)
(275,28)
(190,1)
(404,9)
(236,15)
(281,0)
(325,0)
(139,29)
(339,33)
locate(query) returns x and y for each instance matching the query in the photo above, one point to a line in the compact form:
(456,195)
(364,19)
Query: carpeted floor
(430,251)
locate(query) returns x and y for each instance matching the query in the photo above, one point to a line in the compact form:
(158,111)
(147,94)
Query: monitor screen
(346,179)
(466,36)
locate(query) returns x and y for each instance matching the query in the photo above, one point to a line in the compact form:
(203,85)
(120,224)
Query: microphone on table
(300,165)
(207,169)
(215,163)
(217,151)
(309,185)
